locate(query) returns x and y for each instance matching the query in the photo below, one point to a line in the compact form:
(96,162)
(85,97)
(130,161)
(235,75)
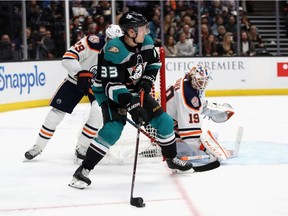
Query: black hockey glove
(138,113)
(84,81)
(146,83)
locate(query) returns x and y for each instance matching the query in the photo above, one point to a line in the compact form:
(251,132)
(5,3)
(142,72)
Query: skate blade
(177,171)
(75,183)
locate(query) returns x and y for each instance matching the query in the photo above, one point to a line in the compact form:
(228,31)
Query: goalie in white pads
(80,60)
(186,104)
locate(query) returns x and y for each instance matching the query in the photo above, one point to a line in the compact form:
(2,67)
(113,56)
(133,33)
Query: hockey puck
(137,202)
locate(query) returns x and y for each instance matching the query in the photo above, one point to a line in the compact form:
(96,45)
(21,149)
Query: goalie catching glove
(218,112)
(138,113)
(84,81)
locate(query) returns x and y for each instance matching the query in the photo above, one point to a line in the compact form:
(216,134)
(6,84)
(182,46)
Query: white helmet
(113,31)
(199,77)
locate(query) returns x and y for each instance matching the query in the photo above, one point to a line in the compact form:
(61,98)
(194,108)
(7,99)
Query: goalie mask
(199,77)
(113,31)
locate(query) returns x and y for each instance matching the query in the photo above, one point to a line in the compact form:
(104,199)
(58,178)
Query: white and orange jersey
(184,105)
(83,55)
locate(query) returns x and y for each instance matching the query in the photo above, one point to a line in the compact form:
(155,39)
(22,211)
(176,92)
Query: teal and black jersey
(122,67)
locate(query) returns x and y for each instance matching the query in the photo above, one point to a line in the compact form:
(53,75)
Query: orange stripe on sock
(89,132)
(46,133)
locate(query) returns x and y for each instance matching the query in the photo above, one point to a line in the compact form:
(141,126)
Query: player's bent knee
(54,118)
(163,123)
(110,133)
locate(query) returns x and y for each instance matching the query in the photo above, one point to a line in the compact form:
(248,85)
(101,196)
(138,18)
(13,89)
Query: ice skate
(177,164)
(80,178)
(33,152)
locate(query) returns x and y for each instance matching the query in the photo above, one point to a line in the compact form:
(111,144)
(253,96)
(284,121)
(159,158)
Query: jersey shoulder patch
(115,51)
(93,39)
(95,42)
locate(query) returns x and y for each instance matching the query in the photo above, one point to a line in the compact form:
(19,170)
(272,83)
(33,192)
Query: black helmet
(132,20)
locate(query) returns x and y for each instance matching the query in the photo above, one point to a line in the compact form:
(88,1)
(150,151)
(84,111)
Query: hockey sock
(169,151)
(91,159)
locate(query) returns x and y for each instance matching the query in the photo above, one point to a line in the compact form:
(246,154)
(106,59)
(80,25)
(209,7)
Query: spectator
(10,18)
(226,47)
(256,38)
(17,45)
(206,18)
(172,32)
(245,23)
(185,46)
(38,51)
(49,43)
(221,33)
(155,30)
(88,20)
(78,11)
(5,48)
(53,12)
(218,21)
(210,46)
(43,46)
(33,13)
(101,24)
(76,30)
(167,22)
(231,26)
(169,47)
(216,8)
(205,31)
(188,31)
(225,14)
(104,9)
(92,28)
(246,46)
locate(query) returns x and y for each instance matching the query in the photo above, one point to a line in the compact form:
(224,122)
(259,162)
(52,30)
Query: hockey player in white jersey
(187,105)
(80,60)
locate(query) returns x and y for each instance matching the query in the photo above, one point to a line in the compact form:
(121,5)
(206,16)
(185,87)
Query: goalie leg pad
(213,147)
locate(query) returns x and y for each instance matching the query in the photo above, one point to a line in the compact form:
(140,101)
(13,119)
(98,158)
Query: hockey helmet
(133,20)
(199,77)
(113,31)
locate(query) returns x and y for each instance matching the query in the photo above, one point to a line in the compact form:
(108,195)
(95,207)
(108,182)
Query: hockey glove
(84,81)
(146,83)
(138,113)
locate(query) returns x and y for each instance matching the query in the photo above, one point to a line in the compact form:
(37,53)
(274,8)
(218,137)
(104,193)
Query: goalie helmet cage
(123,150)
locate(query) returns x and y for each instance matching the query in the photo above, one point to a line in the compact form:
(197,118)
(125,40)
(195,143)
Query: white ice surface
(255,183)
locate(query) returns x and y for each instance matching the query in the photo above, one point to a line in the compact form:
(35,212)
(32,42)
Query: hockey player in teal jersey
(129,64)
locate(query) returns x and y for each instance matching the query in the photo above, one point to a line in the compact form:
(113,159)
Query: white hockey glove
(218,112)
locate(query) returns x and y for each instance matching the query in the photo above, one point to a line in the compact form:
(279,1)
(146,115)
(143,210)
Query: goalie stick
(202,168)
(233,152)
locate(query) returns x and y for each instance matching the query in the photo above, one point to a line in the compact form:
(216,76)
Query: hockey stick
(201,168)
(137,201)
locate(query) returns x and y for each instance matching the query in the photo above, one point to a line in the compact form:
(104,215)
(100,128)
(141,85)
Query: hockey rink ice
(253,184)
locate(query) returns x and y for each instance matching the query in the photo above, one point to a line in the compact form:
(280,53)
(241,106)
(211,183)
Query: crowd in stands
(46,26)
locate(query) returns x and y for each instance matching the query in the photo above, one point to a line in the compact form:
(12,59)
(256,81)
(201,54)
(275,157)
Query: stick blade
(207,167)
(137,202)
